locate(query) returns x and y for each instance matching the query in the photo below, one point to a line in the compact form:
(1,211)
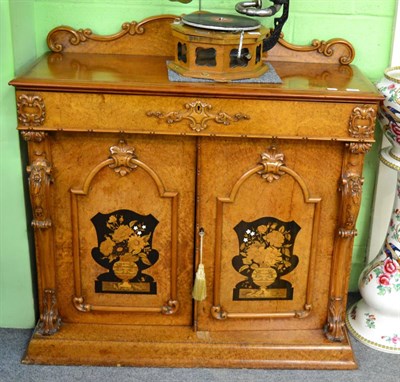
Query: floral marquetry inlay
(31,110)
(198,114)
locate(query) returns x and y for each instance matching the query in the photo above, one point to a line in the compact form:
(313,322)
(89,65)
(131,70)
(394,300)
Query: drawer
(198,116)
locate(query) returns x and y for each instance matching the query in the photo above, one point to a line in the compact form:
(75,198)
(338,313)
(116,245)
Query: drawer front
(196,116)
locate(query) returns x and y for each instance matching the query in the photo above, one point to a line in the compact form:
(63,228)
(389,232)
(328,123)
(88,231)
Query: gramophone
(225,47)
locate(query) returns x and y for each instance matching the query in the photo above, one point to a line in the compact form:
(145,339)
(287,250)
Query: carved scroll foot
(50,321)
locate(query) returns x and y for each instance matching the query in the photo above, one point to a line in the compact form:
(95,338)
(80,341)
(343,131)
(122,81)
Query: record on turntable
(221,22)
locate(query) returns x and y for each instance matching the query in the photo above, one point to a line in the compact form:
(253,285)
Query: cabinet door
(269,211)
(123,227)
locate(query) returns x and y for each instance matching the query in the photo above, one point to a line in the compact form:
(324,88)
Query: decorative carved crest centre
(198,114)
(362,122)
(122,156)
(31,110)
(272,162)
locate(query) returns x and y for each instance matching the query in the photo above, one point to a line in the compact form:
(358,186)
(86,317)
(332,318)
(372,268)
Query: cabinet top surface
(134,61)
(148,75)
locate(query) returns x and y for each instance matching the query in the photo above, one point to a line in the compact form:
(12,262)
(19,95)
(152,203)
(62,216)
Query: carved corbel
(50,321)
(31,110)
(335,325)
(351,190)
(33,136)
(39,182)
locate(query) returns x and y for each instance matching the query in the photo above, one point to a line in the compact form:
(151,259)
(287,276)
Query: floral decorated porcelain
(375,319)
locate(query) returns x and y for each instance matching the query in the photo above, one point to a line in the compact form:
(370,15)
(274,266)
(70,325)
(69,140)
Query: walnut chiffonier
(125,168)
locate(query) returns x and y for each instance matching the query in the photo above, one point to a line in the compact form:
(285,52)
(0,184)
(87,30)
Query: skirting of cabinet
(157,346)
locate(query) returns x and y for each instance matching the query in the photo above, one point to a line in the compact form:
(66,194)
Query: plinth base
(121,345)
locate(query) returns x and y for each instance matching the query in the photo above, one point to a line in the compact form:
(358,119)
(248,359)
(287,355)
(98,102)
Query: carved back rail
(153,36)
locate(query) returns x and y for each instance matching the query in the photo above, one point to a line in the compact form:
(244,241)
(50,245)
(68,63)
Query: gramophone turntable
(225,47)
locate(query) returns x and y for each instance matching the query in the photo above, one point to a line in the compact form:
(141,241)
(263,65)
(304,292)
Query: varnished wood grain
(195,156)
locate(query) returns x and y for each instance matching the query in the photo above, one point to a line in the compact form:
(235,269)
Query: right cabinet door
(269,209)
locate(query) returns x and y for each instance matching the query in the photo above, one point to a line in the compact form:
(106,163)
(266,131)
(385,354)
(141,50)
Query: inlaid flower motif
(125,240)
(275,238)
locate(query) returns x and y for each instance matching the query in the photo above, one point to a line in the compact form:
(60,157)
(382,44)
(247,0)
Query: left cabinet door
(122,216)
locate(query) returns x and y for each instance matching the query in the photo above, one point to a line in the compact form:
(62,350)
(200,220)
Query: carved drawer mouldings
(40,180)
(31,110)
(123,161)
(271,168)
(361,126)
(198,114)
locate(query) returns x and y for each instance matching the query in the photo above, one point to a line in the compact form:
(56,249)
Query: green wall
(24,25)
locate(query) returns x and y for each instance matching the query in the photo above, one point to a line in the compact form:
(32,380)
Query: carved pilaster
(50,321)
(31,110)
(361,126)
(39,182)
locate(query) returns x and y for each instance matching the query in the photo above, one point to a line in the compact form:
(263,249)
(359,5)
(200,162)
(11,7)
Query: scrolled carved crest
(272,160)
(327,48)
(362,122)
(78,36)
(31,110)
(122,154)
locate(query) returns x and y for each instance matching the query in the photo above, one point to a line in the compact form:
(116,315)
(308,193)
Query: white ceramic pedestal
(375,319)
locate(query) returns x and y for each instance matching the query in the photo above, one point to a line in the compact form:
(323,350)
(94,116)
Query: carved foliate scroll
(79,36)
(40,179)
(33,136)
(272,160)
(122,155)
(362,122)
(31,110)
(352,190)
(335,324)
(327,48)
(50,321)
(198,114)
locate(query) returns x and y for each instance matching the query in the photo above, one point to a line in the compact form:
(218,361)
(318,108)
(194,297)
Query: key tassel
(199,292)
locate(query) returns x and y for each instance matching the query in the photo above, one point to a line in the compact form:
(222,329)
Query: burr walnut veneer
(124,169)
